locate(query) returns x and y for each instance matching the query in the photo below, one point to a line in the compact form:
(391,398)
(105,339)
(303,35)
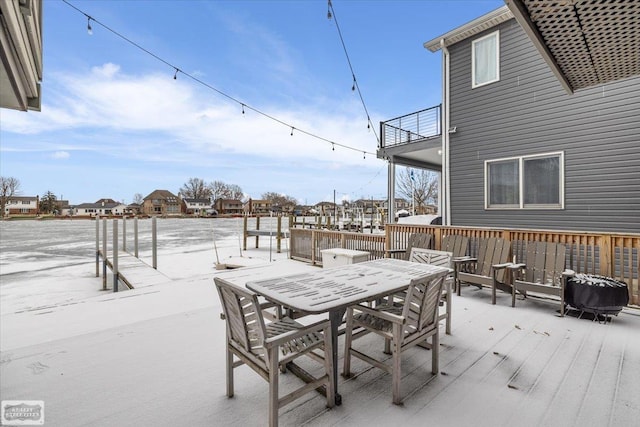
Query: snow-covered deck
(155,356)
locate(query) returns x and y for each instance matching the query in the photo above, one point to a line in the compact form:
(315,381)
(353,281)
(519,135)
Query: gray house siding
(527,112)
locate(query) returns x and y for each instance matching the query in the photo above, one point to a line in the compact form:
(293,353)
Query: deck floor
(522,366)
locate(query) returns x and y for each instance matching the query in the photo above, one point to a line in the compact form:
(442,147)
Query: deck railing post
(257,228)
(97,246)
(279,238)
(104,254)
(154,243)
(135,236)
(115,255)
(124,234)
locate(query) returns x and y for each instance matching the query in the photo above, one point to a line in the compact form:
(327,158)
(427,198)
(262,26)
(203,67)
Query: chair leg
(448,306)
(397,373)
(229,373)
(435,353)
(273,386)
(513,295)
(347,343)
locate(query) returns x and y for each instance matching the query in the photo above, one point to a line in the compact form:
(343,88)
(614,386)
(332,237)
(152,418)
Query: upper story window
(485,60)
(525,182)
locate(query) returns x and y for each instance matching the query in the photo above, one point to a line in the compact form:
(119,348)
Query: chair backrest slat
(492,250)
(431,256)
(544,262)
(245,324)
(418,240)
(421,303)
(455,244)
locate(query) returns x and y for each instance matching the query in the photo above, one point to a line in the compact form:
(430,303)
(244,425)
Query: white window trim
(473,60)
(521,160)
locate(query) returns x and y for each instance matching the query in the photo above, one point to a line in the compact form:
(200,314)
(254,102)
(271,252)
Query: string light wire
(331,14)
(218,91)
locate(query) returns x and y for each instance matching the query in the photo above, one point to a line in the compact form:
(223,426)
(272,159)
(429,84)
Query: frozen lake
(44,263)
(27,246)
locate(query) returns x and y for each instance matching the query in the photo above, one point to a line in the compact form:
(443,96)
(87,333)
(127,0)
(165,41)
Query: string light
(329,10)
(333,147)
(353,88)
(205,84)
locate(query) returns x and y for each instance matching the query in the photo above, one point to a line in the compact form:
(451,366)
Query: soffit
(585,42)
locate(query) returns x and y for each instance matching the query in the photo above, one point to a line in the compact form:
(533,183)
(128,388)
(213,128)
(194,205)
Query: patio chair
(407,325)
(416,240)
(488,269)
(268,347)
(442,259)
(543,272)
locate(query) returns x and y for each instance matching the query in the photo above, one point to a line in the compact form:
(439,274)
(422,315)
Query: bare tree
(9,187)
(221,190)
(138,199)
(195,188)
(280,200)
(419,185)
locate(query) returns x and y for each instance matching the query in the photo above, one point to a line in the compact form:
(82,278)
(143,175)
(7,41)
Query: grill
(596,294)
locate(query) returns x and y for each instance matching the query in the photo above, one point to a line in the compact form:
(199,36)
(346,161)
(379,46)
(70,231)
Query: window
(485,60)
(525,182)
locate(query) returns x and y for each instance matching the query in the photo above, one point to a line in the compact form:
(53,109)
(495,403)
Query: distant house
(162,202)
(257,207)
(513,147)
(18,205)
(196,207)
(228,206)
(103,207)
(326,208)
(133,209)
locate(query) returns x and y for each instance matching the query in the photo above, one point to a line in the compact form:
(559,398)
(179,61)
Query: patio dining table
(332,290)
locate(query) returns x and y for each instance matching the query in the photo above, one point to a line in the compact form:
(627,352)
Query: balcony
(413,139)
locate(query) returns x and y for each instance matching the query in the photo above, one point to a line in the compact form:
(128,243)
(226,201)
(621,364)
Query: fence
(606,254)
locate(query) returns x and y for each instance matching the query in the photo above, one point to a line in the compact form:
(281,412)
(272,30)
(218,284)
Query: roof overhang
(584,42)
(20,54)
(478,25)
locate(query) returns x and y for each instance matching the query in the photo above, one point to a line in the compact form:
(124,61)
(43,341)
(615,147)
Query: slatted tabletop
(333,288)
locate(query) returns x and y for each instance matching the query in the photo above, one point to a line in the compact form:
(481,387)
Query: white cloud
(153,116)
(60,155)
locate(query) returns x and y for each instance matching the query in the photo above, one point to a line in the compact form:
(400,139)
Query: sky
(115,122)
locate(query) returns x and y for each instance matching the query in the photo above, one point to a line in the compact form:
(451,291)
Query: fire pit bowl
(596,294)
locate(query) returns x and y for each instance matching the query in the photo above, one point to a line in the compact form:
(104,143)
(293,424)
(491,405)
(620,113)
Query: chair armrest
(290,335)
(568,273)
(501,266)
(464,260)
(395,251)
(380,314)
(516,266)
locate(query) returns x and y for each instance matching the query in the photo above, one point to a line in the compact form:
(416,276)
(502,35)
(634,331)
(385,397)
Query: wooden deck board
(547,371)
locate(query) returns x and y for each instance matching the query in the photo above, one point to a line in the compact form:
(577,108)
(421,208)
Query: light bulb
(89,29)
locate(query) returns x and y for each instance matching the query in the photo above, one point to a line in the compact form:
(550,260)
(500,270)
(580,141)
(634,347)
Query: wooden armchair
(543,271)
(488,269)
(268,347)
(442,259)
(416,240)
(410,324)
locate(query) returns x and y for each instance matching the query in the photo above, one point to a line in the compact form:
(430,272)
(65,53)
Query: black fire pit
(596,294)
